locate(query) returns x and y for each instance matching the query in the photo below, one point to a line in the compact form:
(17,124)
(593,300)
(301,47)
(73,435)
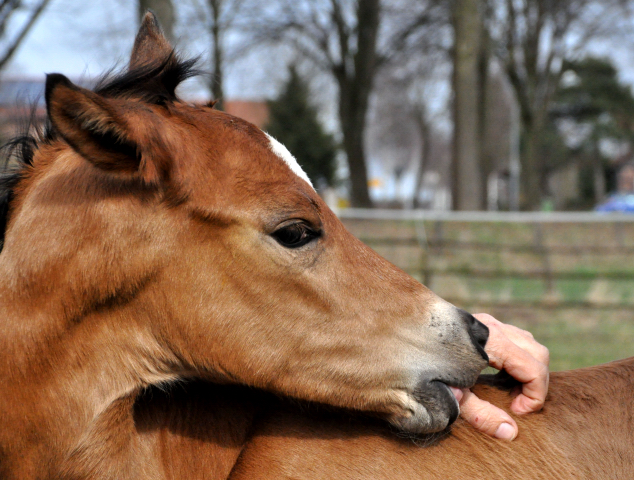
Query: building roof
(256,112)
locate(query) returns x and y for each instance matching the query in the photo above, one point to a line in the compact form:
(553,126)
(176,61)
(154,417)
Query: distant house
(252,111)
(18,99)
(19,96)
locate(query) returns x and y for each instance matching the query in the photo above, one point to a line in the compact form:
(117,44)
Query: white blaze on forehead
(287,157)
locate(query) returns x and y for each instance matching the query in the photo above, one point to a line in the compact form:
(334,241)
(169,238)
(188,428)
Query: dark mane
(16,157)
(154,83)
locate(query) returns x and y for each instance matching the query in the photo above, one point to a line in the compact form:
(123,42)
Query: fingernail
(505,432)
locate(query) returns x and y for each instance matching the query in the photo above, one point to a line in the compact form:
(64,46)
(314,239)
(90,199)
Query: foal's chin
(432,408)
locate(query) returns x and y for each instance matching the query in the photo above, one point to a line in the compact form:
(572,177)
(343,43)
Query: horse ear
(150,44)
(96,127)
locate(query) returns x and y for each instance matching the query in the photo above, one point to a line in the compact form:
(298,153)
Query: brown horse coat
(147,241)
(585,431)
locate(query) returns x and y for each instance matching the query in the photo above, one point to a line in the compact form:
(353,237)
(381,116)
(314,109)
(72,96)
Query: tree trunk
(217,73)
(531,166)
(164,10)
(352,117)
(487,162)
(355,77)
(599,179)
(466,175)
(425,131)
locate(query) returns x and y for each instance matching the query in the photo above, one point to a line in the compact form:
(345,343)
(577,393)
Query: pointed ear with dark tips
(150,45)
(97,128)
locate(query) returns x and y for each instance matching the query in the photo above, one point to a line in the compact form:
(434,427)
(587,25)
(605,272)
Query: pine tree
(596,100)
(293,121)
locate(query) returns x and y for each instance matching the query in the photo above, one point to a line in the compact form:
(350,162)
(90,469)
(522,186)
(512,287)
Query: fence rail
(478,217)
(552,259)
(562,250)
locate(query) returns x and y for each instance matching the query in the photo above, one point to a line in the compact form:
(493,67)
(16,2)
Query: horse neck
(591,415)
(68,383)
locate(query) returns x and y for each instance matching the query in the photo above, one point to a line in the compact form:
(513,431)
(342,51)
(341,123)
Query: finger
(516,330)
(506,355)
(527,342)
(486,417)
(520,337)
(488,319)
(531,373)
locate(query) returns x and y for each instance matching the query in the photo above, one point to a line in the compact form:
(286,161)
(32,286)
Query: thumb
(486,417)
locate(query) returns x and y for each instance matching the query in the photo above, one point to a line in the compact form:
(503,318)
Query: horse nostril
(478,332)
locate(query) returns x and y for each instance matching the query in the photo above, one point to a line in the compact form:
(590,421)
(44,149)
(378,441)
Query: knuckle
(494,329)
(535,404)
(537,370)
(527,334)
(544,354)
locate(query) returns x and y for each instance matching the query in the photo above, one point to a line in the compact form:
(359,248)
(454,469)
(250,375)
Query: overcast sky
(84,39)
(81,38)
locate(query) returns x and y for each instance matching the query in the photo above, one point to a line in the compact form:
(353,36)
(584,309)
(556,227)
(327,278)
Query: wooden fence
(541,259)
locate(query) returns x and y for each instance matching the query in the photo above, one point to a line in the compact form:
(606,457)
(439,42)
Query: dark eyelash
(295,235)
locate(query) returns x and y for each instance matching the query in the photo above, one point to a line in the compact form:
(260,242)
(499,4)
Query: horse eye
(295,235)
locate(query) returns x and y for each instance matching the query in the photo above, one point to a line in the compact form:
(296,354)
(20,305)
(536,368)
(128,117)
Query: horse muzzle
(431,403)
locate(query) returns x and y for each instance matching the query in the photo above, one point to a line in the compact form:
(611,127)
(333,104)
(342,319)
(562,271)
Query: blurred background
(484,146)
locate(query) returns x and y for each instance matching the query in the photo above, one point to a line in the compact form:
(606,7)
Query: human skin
(515,351)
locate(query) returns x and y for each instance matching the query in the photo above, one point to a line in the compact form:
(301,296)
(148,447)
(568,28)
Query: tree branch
(25,29)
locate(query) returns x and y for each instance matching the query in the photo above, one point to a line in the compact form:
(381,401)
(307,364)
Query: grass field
(575,337)
(584,315)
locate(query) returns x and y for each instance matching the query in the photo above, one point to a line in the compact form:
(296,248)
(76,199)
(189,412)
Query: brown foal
(147,242)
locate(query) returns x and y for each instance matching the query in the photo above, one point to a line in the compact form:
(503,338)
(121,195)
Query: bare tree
(421,117)
(340,37)
(467,86)
(218,18)
(533,38)
(392,135)
(350,40)
(409,108)
(8,9)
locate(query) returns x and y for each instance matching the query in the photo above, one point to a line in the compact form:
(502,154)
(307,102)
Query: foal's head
(206,242)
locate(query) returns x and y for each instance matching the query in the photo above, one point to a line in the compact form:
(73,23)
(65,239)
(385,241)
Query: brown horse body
(585,431)
(150,242)
(202,431)
(205,431)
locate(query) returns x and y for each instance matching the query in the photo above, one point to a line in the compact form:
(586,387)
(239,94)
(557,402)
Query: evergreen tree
(293,121)
(596,97)
(596,100)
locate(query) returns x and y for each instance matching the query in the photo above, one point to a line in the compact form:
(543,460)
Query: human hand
(515,351)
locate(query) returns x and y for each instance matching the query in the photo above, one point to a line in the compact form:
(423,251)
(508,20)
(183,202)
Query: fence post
(618,231)
(435,247)
(424,245)
(542,251)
